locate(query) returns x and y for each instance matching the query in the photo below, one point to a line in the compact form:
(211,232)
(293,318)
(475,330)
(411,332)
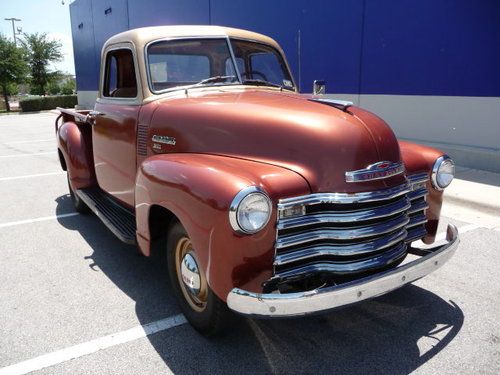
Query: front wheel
(201,307)
(80,205)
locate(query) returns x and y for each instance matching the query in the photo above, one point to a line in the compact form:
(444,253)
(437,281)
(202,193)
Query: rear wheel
(202,308)
(80,205)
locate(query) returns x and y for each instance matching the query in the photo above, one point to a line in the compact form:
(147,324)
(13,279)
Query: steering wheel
(252,73)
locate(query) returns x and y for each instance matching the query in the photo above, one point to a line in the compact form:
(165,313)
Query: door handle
(91,117)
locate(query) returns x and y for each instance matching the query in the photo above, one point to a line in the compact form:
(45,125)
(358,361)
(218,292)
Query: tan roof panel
(145,35)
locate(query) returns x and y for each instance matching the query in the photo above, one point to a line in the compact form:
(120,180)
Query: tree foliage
(41,52)
(13,67)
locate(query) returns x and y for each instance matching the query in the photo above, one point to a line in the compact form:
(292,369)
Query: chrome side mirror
(319,87)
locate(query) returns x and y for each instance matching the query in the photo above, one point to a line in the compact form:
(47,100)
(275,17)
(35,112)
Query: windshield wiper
(214,79)
(260,82)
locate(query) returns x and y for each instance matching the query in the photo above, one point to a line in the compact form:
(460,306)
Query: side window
(119,75)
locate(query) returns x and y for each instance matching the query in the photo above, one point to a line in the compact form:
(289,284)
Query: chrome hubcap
(190,274)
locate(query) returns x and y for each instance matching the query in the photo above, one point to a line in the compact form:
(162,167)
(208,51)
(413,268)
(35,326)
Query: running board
(117,218)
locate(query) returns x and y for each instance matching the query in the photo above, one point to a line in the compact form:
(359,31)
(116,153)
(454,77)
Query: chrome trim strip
(419,193)
(345,217)
(340,250)
(342,234)
(346,198)
(420,205)
(417,220)
(345,267)
(418,178)
(324,299)
(415,233)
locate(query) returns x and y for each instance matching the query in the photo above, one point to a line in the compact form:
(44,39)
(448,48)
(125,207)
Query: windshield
(199,62)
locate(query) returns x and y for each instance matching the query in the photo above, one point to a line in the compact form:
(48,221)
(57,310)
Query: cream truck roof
(145,35)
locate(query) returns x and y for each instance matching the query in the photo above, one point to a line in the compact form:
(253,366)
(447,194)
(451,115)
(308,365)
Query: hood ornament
(376,171)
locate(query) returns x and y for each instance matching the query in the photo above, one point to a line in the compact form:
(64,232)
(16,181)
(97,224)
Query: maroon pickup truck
(263,201)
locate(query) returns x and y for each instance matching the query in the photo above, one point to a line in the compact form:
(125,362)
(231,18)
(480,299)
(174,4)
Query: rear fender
(75,144)
(198,189)
(419,159)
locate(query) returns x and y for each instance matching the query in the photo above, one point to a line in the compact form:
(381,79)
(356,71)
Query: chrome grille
(347,234)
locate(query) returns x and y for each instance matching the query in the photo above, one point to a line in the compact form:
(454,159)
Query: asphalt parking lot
(75,300)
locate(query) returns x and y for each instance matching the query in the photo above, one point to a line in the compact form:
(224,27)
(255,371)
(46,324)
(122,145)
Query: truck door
(114,132)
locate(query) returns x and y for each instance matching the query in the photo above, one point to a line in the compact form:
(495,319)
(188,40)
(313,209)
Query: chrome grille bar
(342,234)
(364,265)
(339,250)
(353,216)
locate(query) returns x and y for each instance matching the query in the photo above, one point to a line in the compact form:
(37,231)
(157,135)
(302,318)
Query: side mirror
(319,87)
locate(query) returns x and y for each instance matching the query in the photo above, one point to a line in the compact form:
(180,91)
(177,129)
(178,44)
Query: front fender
(198,190)
(417,159)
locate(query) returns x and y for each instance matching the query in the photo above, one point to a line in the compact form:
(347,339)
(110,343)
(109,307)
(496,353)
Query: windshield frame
(227,38)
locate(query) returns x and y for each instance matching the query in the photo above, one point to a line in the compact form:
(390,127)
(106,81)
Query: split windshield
(199,62)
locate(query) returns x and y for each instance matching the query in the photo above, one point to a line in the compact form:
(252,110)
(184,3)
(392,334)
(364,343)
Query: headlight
(250,210)
(443,172)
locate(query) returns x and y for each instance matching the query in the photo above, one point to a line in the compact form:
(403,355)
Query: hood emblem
(164,139)
(376,171)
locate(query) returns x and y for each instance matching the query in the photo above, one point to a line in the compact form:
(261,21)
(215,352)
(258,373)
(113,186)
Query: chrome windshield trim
(346,217)
(342,234)
(340,250)
(274,305)
(347,198)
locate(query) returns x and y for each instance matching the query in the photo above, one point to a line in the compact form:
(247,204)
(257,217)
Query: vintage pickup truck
(264,201)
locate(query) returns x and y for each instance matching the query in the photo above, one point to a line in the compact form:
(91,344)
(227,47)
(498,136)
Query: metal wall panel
(429,47)
(110,18)
(84,50)
(168,12)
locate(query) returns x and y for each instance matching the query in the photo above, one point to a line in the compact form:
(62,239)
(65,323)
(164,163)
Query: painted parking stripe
(93,346)
(34,154)
(31,176)
(29,221)
(30,141)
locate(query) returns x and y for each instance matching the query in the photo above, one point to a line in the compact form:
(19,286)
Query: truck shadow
(395,333)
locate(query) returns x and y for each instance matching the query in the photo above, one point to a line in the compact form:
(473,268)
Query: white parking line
(93,346)
(30,141)
(31,175)
(34,154)
(46,218)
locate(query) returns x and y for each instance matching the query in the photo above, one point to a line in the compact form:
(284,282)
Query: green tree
(41,52)
(68,87)
(53,88)
(13,67)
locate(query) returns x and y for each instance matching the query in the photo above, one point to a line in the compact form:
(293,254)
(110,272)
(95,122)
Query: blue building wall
(404,47)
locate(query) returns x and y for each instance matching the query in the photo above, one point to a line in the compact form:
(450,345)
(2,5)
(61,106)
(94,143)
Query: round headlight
(443,172)
(250,210)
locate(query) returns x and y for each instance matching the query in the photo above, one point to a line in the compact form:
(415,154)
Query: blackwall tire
(80,206)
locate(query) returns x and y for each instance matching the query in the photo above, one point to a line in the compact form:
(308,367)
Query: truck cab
(263,201)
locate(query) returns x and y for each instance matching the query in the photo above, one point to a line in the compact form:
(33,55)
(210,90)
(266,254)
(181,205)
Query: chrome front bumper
(323,299)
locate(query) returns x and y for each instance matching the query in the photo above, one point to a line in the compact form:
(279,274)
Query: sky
(41,16)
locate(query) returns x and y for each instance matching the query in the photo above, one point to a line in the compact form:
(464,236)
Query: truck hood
(317,141)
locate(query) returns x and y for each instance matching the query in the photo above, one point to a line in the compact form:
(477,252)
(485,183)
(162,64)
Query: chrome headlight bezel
(444,160)
(236,205)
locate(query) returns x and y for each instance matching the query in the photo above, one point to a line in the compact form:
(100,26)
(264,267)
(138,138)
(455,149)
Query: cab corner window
(119,77)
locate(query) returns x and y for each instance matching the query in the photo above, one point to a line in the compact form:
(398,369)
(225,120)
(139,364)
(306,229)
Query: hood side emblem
(164,139)
(376,171)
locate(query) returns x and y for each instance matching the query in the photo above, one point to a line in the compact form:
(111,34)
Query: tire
(205,312)
(80,205)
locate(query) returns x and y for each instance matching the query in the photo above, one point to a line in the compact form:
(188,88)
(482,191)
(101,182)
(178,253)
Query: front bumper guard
(274,305)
